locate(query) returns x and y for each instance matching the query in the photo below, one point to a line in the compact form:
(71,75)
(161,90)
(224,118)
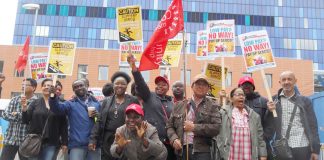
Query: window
(163,70)
(125,69)
(247,74)
(81,11)
(61,76)
(64,10)
(103,73)
(269,79)
(82,71)
(146,76)
(21,74)
(14,94)
(188,77)
(228,81)
(1,66)
(51,10)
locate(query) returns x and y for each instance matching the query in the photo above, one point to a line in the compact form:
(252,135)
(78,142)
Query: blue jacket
(79,121)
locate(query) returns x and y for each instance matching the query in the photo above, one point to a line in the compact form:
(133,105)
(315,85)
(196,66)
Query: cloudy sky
(7,21)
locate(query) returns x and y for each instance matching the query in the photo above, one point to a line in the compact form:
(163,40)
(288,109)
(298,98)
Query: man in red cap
(137,139)
(253,99)
(156,105)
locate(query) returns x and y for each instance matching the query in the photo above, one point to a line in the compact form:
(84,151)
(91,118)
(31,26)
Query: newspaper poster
(172,53)
(129,23)
(221,38)
(37,64)
(136,50)
(201,47)
(61,57)
(97,93)
(214,75)
(256,50)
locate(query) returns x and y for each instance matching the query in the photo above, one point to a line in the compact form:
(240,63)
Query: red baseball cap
(136,108)
(246,79)
(161,78)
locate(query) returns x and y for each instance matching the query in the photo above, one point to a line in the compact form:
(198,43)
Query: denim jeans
(47,153)
(84,154)
(9,152)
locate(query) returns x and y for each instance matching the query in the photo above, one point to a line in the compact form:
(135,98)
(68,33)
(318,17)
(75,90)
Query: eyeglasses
(239,94)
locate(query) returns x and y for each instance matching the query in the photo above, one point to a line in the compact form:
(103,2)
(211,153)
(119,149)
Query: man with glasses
(16,131)
(194,122)
(137,139)
(81,120)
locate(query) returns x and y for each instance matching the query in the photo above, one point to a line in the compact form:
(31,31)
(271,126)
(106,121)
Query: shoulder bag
(281,149)
(32,144)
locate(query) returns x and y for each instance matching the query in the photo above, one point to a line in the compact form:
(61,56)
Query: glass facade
(295,27)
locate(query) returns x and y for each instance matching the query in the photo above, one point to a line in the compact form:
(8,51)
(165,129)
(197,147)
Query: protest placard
(136,49)
(129,23)
(256,50)
(61,57)
(172,52)
(221,38)
(37,64)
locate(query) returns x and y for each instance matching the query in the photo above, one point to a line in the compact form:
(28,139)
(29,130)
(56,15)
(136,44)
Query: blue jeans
(47,153)
(84,154)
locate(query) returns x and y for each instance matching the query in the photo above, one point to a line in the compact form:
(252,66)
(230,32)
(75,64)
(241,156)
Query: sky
(7,21)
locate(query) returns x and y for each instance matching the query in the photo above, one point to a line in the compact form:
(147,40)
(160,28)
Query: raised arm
(142,88)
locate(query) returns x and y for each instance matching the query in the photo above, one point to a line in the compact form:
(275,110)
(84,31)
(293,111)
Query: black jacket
(308,119)
(156,109)
(258,104)
(106,124)
(56,132)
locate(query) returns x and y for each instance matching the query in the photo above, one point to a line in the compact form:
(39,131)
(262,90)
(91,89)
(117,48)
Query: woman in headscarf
(112,115)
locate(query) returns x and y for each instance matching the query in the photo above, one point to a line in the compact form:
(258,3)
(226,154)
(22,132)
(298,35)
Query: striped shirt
(241,138)
(16,130)
(297,135)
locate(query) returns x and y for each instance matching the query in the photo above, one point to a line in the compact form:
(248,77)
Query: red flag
(169,26)
(23,56)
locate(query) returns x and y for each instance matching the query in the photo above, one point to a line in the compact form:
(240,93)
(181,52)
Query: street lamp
(32,6)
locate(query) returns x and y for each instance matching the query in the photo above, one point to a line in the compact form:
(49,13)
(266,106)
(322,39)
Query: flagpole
(184,61)
(36,8)
(223,80)
(185,82)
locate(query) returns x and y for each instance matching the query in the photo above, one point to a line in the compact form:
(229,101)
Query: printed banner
(97,93)
(256,50)
(136,50)
(221,38)
(214,74)
(201,47)
(129,23)
(38,63)
(61,57)
(172,53)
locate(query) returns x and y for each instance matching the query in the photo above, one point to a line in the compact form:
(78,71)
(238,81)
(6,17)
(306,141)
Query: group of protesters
(151,125)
